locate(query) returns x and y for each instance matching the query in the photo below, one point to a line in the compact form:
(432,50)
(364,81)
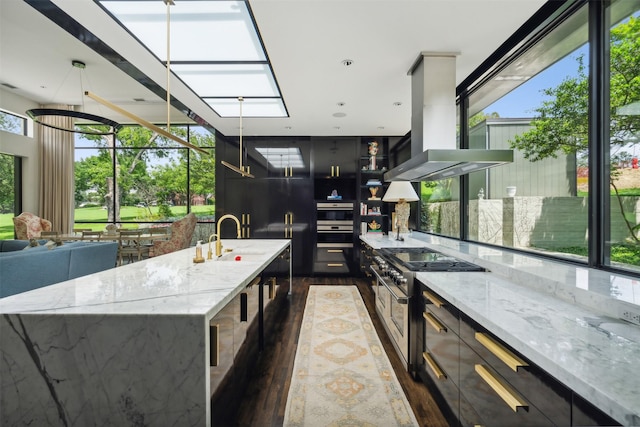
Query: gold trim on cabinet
(502,389)
(434,322)
(335,265)
(335,251)
(502,353)
(439,373)
(214,345)
(272,287)
(434,299)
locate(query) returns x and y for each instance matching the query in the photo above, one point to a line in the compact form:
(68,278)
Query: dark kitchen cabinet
(483,381)
(335,157)
(271,205)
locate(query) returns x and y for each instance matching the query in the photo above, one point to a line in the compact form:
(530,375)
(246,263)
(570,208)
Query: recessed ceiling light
(341,104)
(339,114)
(347,62)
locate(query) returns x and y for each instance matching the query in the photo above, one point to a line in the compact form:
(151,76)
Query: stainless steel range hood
(431,165)
(433,126)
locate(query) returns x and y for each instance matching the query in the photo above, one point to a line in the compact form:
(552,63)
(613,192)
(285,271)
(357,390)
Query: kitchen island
(564,318)
(126,346)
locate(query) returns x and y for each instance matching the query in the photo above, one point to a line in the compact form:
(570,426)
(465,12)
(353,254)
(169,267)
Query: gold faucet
(217,235)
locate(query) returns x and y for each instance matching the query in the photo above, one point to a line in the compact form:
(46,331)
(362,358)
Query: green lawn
(127,213)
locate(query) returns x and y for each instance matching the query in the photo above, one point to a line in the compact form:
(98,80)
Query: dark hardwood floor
(265,399)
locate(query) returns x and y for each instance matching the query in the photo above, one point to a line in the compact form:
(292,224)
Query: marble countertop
(171,284)
(563,317)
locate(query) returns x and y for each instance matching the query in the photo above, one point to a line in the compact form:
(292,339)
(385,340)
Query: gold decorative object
(373,191)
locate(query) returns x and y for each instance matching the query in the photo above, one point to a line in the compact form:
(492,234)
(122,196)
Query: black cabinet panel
(543,391)
(335,157)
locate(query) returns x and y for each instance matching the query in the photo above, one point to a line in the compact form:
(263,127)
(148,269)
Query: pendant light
(239,169)
(143,122)
(38,114)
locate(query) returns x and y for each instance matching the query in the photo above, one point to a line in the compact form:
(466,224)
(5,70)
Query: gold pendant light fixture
(145,123)
(239,169)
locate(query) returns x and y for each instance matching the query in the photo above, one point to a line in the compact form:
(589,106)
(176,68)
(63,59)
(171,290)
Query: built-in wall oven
(334,237)
(395,293)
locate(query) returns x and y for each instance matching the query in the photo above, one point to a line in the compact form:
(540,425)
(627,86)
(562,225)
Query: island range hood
(434,154)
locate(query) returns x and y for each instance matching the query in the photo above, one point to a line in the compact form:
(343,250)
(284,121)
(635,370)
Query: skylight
(215,50)
(282,157)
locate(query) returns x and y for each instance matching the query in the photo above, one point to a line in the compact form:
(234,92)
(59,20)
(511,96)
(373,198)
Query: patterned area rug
(341,374)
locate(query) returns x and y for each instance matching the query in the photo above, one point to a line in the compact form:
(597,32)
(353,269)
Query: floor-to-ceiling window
(140,177)
(9,174)
(536,104)
(8,196)
(622,242)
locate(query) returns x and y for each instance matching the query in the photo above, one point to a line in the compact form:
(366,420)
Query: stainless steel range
(394,269)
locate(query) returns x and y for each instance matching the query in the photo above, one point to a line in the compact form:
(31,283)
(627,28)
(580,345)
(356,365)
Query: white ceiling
(306,41)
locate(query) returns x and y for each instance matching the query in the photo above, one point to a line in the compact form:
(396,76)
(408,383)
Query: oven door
(392,305)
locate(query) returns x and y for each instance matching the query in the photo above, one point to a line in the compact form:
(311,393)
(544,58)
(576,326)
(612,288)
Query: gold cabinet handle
(214,345)
(502,353)
(334,265)
(335,251)
(434,299)
(286,218)
(332,171)
(439,373)
(272,287)
(502,389)
(434,322)
(337,171)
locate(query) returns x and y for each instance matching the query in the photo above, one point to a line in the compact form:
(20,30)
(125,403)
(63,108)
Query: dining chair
(129,245)
(92,236)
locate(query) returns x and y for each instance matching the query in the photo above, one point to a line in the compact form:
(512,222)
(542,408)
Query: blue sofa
(24,270)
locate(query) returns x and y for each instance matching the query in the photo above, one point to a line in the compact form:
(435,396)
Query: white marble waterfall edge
(127,346)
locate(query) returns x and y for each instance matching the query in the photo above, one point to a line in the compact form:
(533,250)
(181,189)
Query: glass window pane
(200,30)
(623,244)
(93,184)
(215,80)
(7,196)
(13,123)
(538,105)
(251,107)
(440,207)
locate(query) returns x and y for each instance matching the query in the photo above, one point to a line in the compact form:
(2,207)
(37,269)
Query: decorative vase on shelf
(511,191)
(373,151)
(373,191)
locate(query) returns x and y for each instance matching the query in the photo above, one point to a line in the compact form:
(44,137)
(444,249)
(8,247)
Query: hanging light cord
(234,168)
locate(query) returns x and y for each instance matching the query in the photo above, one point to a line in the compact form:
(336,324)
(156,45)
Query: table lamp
(401,192)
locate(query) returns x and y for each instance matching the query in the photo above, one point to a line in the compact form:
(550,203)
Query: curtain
(57,201)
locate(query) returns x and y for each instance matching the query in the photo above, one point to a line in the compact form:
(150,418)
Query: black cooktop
(424,259)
